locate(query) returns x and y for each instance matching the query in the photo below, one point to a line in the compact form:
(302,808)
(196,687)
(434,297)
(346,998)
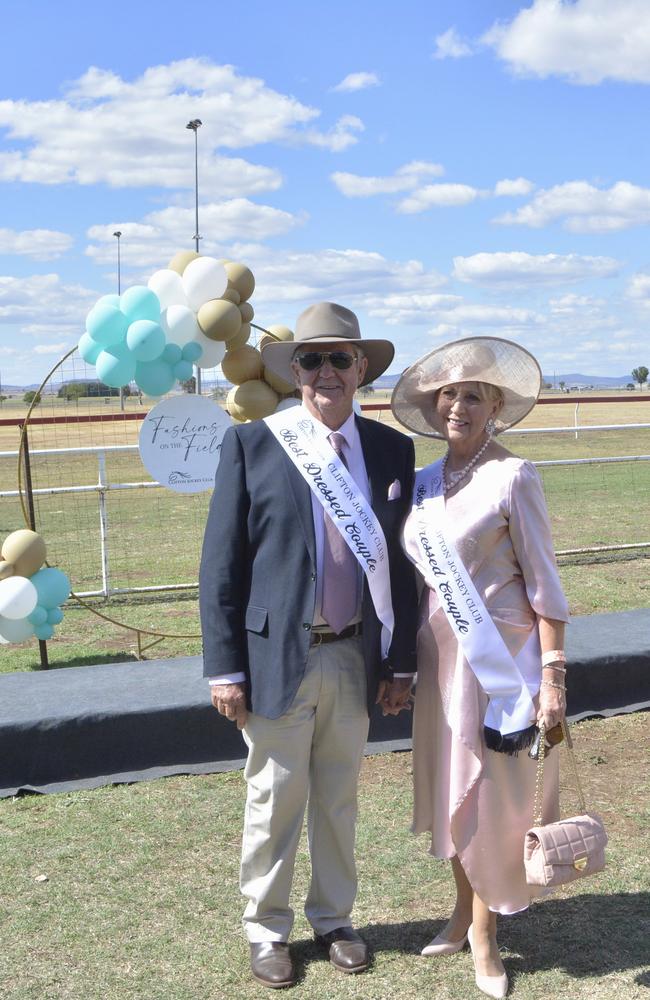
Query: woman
(490,645)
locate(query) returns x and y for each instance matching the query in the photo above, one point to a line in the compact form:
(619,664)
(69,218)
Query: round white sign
(180,442)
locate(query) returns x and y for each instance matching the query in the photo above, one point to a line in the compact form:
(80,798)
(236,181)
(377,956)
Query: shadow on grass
(584,936)
(89,661)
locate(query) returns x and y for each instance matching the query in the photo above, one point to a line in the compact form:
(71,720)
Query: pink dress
(475,803)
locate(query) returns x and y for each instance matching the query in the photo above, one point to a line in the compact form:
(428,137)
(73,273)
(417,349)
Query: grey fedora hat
(327,323)
(476,359)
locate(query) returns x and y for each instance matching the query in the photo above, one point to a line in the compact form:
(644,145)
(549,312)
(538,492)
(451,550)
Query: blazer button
(306,626)
(312,577)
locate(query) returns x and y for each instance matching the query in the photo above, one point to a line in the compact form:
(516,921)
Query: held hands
(230,700)
(395,695)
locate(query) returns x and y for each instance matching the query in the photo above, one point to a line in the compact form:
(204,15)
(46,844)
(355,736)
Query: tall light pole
(194,126)
(117,235)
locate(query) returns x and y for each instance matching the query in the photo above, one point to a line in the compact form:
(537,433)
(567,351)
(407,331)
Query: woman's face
(461,411)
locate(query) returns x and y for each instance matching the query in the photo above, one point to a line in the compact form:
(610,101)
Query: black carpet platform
(88,726)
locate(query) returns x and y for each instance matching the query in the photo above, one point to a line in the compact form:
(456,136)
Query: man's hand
(230,700)
(395,695)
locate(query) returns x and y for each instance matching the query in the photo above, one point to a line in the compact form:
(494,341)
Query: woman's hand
(552,705)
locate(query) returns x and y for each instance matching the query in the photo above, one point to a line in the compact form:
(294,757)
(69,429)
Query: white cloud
(405,178)
(437,195)
(357,81)
(131,134)
(152,242)
(513,188)
(40,244)
(586,41)
(638,288)
(450,45)
(584,208)
(57,349)
(339,137)
(574,305)
(518,268)
(44,300)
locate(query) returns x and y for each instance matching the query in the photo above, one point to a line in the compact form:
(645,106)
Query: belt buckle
(316,638)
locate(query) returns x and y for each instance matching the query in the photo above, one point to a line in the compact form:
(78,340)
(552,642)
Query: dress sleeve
(530,532)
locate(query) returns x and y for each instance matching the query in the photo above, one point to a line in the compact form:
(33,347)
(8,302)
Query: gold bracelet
(552,684)
(554,666)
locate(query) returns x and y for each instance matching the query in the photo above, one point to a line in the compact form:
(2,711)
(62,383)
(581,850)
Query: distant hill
(573,378)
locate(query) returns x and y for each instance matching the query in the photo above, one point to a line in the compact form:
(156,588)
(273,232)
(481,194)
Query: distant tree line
(82,390)
(640,375)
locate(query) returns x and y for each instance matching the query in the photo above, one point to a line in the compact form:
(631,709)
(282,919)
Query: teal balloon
(145,339)
(44,631)
(172,354)
(182,370)
(89,349)
(52,587)
(106,324)
(111,300)
(54,616)
(139,302)
(116,365)
(38,616)
(192,351)
(154,377)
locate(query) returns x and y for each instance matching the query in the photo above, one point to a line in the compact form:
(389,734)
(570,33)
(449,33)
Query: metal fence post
(103,521)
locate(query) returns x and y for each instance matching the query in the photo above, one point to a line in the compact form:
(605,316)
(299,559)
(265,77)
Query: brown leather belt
(319,637)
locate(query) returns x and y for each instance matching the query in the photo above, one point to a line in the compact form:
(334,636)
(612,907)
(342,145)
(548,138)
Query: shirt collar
(348,428)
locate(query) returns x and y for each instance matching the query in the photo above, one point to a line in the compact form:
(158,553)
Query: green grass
(155,537)
(141,899)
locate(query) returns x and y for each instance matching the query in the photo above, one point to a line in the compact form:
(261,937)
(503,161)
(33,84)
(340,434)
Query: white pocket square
(395,490)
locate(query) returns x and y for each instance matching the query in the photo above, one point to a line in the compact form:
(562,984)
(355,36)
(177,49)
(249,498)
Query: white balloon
(168,286)
(18,597)
(213,351)
(286,404)
(15,630)
(204,278)
(179,324)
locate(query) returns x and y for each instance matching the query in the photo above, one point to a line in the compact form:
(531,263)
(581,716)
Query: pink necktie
(339,566)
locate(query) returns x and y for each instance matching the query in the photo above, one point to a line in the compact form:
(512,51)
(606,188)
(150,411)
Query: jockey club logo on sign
(180,442)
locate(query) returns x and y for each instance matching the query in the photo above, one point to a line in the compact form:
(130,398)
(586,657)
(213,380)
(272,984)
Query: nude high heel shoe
(441,946)
(492,986)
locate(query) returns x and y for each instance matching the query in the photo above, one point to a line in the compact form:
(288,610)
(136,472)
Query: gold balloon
(6,570)
(240,338)
(25,550)
(247,312)
(280,332)
(243,364)
(219,319)
(279,384)
(241,278)
(181,259)
(252,400)
(232,295)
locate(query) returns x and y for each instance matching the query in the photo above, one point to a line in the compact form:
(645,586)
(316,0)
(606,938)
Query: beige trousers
(311,755)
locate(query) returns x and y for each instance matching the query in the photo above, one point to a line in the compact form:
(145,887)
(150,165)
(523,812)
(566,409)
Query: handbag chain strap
(539,780)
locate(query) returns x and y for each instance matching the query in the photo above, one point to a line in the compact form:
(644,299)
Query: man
(297,576)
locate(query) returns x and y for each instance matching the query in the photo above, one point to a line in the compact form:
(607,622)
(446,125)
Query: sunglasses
(311,360)
(551,739)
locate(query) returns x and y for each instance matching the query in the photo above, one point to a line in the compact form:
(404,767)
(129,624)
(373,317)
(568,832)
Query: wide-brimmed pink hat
(327,323)
(476,359)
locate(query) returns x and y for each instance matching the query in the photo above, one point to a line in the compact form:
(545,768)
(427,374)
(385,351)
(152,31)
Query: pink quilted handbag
(569,849)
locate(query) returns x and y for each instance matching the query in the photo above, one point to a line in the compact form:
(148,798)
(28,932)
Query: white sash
(510,708)
(333,486)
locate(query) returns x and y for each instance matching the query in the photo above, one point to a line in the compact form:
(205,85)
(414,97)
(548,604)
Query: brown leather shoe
(347,951)
(271,964)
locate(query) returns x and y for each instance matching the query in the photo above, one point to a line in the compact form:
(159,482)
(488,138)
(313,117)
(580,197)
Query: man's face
(327,391)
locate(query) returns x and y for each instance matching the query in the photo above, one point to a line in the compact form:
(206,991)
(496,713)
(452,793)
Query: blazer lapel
(301,498)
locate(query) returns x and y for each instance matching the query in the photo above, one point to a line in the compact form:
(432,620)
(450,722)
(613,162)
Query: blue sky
(445,169)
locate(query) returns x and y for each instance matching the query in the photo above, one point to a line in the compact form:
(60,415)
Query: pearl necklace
(455,477)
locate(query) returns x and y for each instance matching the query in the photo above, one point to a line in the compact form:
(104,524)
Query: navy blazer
(257,583)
